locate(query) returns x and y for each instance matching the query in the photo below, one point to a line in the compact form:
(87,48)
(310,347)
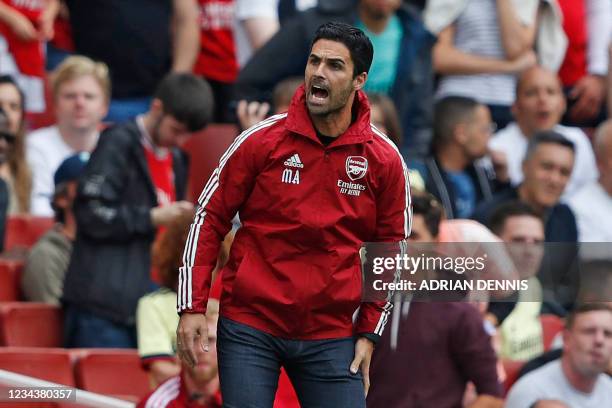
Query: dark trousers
(83,329)
(250,361)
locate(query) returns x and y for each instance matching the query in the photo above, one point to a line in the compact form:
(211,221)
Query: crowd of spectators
(502,110)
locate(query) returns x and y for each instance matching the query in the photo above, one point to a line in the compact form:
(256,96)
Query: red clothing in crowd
(28,55)
(217,58)
(172,393)
(574,66)
(294,270)
(162,175)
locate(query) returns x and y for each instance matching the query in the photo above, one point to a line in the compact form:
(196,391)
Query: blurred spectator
(522,229)
(610,85)
(156,317)
(539,106)
(401,67)
(257,22)
(383,115)
(549,404)
(453,174)
(588,26)
(61,45)
(481,46)
(253,112)
(288,8)
(547,166)
(434,358)
(577,378)
(140,41)
(216,60)
(6,135)
(81,93)
(132,185)
(47,262)
(14,169)
(196,386)
(592,204)
(24,27)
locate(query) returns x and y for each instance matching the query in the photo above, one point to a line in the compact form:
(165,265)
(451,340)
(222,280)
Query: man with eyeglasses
(453,173)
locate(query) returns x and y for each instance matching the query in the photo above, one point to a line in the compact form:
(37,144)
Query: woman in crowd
(14,169)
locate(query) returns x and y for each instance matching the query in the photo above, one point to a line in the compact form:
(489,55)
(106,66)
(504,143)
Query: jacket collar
(299,122)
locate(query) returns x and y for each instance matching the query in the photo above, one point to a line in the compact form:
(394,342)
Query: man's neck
(452,159)
(79,140)
(525,197)
(333,124)
(576,380)
(204,391)
(375,24)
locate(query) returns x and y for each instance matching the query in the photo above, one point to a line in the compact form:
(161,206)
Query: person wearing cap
(47,262)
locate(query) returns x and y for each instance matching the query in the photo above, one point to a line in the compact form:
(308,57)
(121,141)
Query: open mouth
(319,92)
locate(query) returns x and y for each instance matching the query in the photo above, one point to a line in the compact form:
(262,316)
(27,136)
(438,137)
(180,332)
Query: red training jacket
(305,208)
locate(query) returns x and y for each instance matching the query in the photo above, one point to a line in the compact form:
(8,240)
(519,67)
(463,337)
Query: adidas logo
(294,161)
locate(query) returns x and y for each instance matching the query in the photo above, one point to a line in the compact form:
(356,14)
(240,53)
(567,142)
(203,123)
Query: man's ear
(460,133)
(360,80)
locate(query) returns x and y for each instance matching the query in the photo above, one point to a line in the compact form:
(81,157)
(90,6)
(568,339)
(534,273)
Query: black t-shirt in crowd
(131,36)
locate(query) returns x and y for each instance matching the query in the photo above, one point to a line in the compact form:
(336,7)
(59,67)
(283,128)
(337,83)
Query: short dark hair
(514,208)
(427,205)
(547,136)
(585,308)
(448,113)
(188,98)
(359,45)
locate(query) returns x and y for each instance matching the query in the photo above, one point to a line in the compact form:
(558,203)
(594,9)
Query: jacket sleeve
(393,219)
(228,187)
(99,208)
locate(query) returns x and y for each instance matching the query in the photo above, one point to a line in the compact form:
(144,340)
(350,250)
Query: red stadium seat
(115,372)
(551,326)
(23,231)
(512,368)
(47,364)
(205,148)
(10,280)
(30,324)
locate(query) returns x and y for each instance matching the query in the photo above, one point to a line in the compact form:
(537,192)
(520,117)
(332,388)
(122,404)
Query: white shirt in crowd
(511,141)
(549,383)
(592,206)
(246,9)
(45,151)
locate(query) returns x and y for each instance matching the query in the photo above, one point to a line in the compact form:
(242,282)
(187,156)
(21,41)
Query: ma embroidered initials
(291,176)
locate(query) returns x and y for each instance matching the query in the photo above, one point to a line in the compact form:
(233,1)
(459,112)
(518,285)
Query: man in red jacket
(311,186)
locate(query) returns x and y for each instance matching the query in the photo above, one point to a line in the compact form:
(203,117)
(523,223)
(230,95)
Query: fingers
(356,363)
(185,351)
(251,113)
(365,371)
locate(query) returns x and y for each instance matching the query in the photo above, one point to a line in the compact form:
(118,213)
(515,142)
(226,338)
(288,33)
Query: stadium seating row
(114,372)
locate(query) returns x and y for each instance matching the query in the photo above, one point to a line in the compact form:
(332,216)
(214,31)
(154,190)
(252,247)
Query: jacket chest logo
(356,167)
(291,173)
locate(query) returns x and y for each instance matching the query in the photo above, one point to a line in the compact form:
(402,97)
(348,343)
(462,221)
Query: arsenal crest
(356,167)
